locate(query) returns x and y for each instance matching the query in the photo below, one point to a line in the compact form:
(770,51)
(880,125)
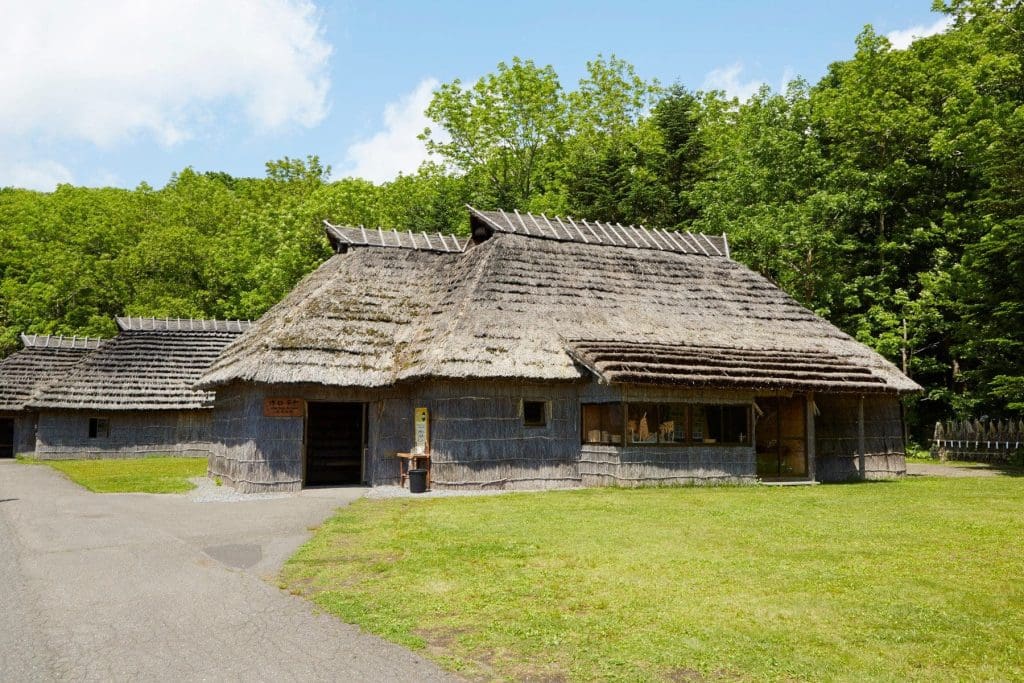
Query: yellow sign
(422,431)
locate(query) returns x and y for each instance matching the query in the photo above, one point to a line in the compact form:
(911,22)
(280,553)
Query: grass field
(920,579)
(162,474)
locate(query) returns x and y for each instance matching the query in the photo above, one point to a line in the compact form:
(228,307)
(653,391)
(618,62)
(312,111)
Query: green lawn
(163,474)
(918,579)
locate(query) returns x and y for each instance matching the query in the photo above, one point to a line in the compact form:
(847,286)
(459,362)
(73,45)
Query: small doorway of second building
(335,440)
(6,437)
(782,438)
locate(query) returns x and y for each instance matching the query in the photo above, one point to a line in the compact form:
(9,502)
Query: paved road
(137,586)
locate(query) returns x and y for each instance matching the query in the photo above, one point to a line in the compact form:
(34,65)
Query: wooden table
(411,461)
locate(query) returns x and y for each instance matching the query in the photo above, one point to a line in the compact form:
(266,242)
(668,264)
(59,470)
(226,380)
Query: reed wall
(479,439)
(64,434)
(25,433)
(837,438)
(651,466)
(254,453)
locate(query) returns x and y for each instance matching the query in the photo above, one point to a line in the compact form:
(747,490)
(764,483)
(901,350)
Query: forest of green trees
(888,197)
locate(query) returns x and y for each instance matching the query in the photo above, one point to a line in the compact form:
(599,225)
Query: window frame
(99,428)
(691,415)
(545,411)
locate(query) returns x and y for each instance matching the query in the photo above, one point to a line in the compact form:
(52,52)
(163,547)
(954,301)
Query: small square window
(99,428)
(535,413)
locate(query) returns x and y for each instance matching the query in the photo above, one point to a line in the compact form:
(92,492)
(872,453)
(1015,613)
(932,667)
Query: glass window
(698,424)
(642,424)
(726,424)
(673,423)
(535,413)
(666,423)
(99,428)
(602,423)
(735,424)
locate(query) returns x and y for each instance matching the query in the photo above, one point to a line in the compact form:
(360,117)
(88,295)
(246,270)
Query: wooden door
(334,443)
(782,438)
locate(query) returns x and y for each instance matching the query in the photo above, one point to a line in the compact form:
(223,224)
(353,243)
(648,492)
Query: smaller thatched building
(41,360)
(134,395)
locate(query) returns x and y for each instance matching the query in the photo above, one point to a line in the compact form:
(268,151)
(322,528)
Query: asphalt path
(147,587)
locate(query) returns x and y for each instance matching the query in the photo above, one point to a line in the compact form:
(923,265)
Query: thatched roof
(619,362)
(42,359)
(151,365)
(519,304)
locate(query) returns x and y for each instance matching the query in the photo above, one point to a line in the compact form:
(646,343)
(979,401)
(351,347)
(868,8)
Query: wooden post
(809,437)
(861,449)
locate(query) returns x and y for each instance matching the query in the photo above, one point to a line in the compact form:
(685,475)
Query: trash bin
(417,481)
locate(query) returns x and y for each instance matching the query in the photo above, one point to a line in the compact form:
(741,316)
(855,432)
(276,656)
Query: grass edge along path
(154,474)
(909,580)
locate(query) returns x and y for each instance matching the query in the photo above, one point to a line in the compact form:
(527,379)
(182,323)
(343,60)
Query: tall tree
(502,131)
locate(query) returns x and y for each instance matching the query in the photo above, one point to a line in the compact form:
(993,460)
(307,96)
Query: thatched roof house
(41,360)
(135,394)
(645,350)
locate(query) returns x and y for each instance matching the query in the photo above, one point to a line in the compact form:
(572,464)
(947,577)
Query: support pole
(861,450)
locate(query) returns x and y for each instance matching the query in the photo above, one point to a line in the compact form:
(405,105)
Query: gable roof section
(345,324)
(596,232)
(43,359)
(521,306)
(151,365)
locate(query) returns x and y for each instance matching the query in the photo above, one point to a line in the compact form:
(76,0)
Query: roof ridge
(53,341)
(130,323)
(344,236)
(630,236)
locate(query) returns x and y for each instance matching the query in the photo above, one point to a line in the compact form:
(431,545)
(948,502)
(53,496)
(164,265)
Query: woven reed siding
(652,466)
(25,433)
(478,439)
(836,438)
(64,435)
(254,453)
(390,426)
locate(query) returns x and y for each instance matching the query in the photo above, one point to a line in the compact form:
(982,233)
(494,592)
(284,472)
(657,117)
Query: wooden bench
(411,461)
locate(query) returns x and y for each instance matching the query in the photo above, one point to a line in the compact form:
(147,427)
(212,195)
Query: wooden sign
(284,407)
(421,431)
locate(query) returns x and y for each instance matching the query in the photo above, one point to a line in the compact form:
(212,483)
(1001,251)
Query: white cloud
(901,40)
(395,149)
(727,79)
(106,70)
(37,175)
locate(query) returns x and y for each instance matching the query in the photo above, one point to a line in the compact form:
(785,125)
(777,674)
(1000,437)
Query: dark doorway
(334,444)
(782,438)
(6,437)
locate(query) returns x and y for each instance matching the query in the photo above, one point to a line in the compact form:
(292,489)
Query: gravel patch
(207,491)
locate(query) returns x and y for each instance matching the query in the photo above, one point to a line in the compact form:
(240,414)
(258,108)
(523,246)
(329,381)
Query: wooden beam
(861,449)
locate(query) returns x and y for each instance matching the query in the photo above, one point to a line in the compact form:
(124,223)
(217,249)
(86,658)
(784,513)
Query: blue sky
(116,92)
